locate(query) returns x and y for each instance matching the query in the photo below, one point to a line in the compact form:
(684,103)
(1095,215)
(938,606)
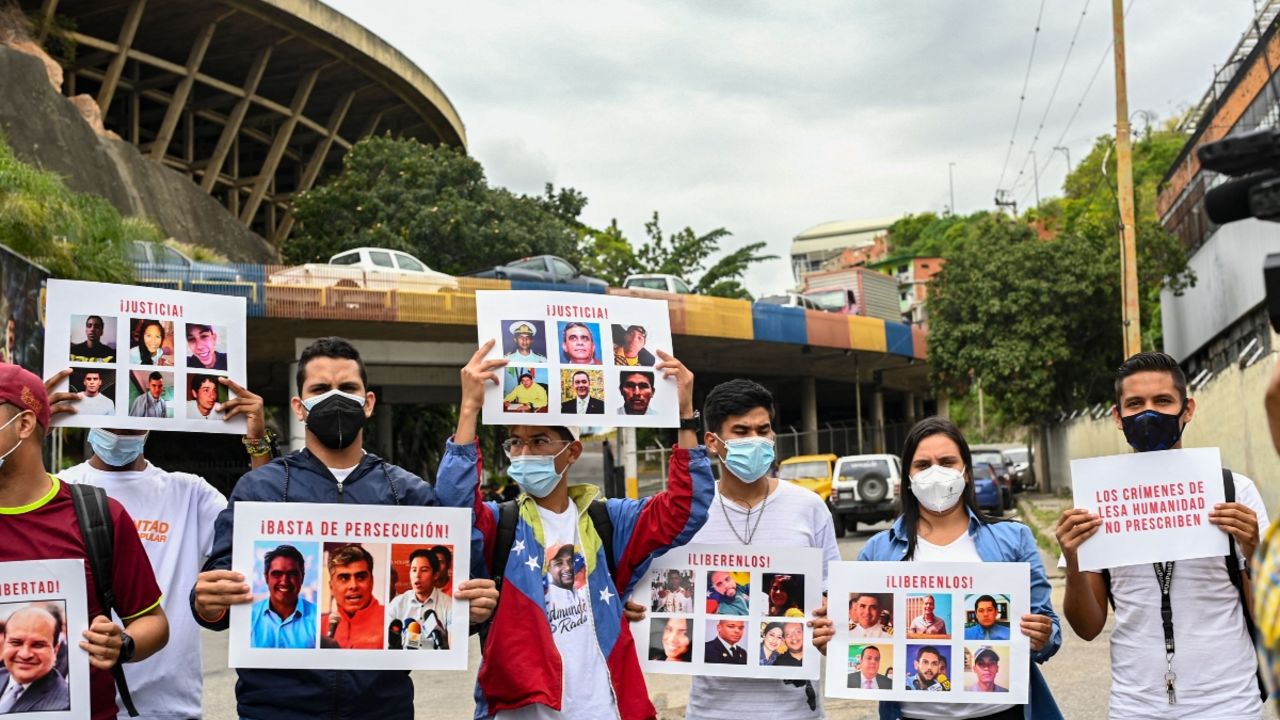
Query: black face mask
(335,418)
(1150,430)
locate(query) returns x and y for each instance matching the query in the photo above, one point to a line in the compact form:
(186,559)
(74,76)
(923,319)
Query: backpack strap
(1237,577)
(598,511)
(508,514)
(94,517)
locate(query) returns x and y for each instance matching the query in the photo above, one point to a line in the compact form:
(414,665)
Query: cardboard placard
(36,598)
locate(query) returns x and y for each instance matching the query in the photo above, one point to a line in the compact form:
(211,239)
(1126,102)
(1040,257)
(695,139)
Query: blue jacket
(996,542)
(310,694)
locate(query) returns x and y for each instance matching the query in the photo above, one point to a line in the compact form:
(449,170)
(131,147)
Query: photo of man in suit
(726,647)
(582,403)
(29,682)
(868,676)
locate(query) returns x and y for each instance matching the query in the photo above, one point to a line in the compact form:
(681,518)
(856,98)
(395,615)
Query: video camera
(1253,159)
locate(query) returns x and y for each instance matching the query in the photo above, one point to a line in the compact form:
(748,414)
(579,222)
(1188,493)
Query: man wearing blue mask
(174,513)
(1157,666)
(752,508)
(334,401)
(565,573)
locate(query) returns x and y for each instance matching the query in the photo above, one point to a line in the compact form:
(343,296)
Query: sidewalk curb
(1044,535)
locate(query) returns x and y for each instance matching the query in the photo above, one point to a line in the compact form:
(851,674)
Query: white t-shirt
(962,549)
(174,513)
(1214,657)
(96,405)
(793,517)
(587,693)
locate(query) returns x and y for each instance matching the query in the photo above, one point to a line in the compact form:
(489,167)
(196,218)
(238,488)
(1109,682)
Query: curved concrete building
(253,99)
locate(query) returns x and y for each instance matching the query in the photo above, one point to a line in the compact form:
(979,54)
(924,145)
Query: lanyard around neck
(1164,576)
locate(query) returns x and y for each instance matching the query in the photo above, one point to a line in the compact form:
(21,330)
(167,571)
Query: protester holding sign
(941,522)
(567,612)
(38,521)
(334,401)
(1158,669)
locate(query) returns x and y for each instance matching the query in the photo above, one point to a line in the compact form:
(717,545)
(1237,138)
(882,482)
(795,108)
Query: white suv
(864,488)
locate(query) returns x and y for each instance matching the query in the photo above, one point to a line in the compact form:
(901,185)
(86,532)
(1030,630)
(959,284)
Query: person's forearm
(150,633)
(465,434)
(1081,607)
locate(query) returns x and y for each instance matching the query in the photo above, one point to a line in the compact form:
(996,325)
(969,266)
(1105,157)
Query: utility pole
(952,181)
(1035,173)
(1124,188)
(1004,199)
(1067,152)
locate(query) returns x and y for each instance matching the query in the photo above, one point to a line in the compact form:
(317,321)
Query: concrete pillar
(877,419)
(857,404)
(944,406)
(627,438)
(809,415)
(383,413)
(909,405)
(297,429)
(919,410)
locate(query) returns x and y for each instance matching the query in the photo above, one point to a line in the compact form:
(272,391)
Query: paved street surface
(1080,674)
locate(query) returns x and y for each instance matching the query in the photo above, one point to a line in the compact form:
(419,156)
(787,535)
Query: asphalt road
(1080,675)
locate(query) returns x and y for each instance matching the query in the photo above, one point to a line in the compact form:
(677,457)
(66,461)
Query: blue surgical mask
(15,447)
(535,474)
(116,450)
(1151,430)
(749,459)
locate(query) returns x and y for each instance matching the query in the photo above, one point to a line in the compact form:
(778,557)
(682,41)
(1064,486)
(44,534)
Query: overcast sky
(769,118)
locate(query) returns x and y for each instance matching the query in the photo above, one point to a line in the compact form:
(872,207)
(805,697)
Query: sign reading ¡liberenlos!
(1154,506)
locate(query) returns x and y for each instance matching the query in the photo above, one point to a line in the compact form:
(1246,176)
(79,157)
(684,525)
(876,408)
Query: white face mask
(938,488)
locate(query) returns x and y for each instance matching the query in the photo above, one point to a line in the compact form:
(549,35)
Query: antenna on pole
(1004,199)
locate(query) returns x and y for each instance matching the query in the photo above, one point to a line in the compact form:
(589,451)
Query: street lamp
(1067,152)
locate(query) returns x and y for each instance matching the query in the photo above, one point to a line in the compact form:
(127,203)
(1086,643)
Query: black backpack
(94,516)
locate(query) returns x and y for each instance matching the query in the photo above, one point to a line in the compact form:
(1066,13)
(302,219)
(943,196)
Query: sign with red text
(328,580)
(576,359)
(730,611)
(929,632)
(1154,506)
(145,358)
(44,612)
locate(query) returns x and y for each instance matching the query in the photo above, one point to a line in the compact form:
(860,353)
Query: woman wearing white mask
(941,522)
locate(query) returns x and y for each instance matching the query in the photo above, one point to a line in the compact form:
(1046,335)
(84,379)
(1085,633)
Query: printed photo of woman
(770,643)
(670,641)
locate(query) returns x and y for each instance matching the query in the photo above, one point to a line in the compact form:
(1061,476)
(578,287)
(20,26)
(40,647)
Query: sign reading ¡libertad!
(1154,506)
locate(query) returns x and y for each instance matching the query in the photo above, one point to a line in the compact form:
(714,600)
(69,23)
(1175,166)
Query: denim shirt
(995,542)
(296,631)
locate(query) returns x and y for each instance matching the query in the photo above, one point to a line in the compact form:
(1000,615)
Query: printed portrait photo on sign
(728,593)
(986,668)
(671,638)
(786,594)
(151,342)
(524,341)
(930,667)
(791,652)
(929,616)
(582,392)
(353,596)
(629,346)
(206,347)
(205,396)
(579,343)
(286,593)
(672,590)
(870,666)
(638,389)
(150,394)
(97,388)
(93,338)
(419,613)
(986,617)
(565,587)
(525,389)
(34,654)
(870,615)
(726,642)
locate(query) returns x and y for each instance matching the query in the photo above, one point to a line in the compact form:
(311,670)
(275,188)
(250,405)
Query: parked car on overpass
(812,472)
(790,299)
(368,268)
(157,262)
(658,281)
(547,269)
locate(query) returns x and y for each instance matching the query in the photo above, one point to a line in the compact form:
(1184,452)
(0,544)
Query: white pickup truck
(369,268)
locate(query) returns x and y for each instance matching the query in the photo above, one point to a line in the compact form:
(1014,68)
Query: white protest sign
(929,632)
(367,582)
(731,611)
(1154,506)
(145,358)
(576,359)
(37,596)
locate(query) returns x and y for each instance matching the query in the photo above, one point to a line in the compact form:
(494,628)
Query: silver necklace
(747,527)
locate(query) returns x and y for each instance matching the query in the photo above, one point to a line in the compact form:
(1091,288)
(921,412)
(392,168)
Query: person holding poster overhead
(38,522)
(941,522)
(1209,627)
(564,607)
(334,401)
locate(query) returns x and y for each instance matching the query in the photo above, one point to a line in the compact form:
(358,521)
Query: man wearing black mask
(334,402)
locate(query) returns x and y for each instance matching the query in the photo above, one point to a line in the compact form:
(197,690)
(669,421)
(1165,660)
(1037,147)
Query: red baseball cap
(21,388)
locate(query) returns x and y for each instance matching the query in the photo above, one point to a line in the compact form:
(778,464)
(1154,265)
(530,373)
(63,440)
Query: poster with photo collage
(576,359)
(350,587)
(929,632)
(43,614)
(730,611)
(145,358)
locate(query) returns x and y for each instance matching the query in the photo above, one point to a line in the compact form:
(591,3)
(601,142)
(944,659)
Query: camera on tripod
(1253,160)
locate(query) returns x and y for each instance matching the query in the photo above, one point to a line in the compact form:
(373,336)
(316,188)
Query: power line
(1022,97)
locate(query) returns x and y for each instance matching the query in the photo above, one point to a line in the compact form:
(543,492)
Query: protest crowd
(553,568)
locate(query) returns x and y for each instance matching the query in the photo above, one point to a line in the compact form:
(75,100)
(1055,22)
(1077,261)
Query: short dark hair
(288,552)
(648,375)
(870,647)
(983,598)
(1151,362)
(734,398)
(198,326)
(330,347)
(576,373)
(448,554)
(525,374)
(928,649)
(429,554)
(564,331)
(195,381)
(855,597)
(95,317)
(92,371)
(155,375)
(348,554)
